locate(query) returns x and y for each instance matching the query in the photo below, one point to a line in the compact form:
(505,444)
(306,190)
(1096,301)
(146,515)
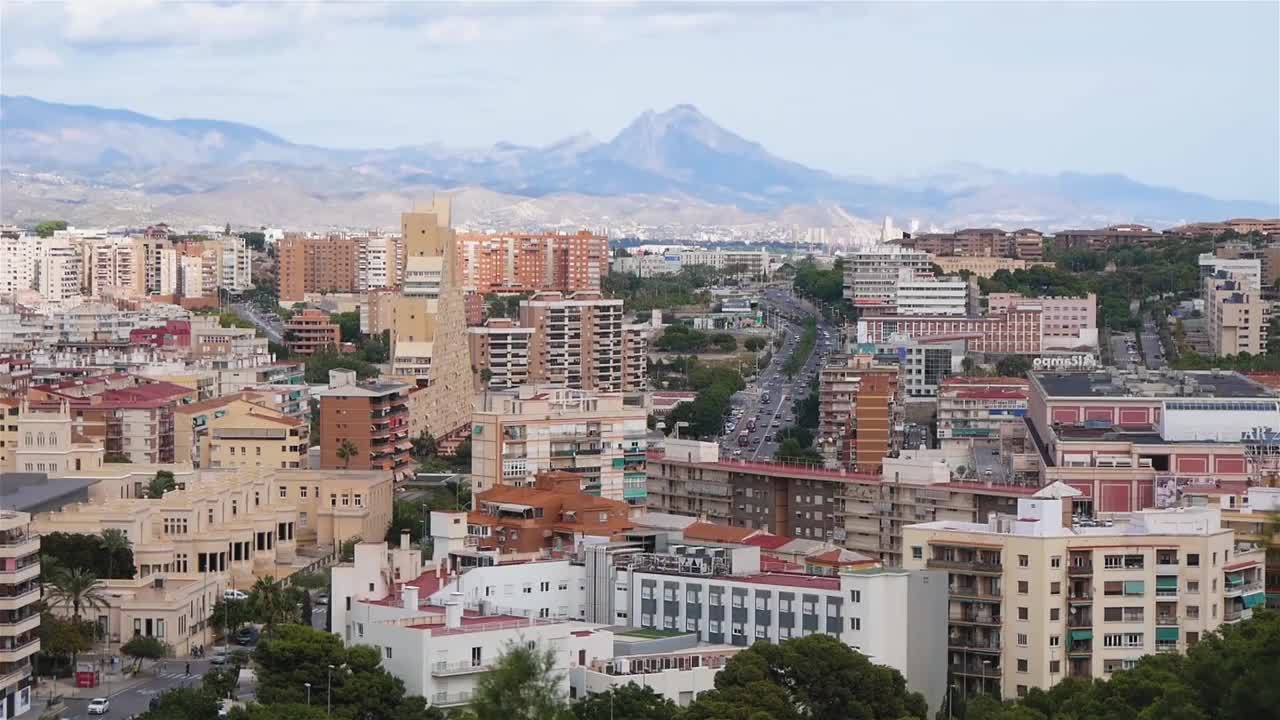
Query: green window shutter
(1077,635)
(1258,599)
(1166,583)
(618,463)
(1135,587)
(1167,634)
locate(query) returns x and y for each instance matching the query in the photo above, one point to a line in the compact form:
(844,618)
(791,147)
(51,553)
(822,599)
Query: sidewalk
(111,683)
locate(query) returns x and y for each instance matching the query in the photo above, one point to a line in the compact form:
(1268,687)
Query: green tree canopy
(627,702)
(185,704)
(523,685)
(81,550)
(162,483)
(141,647)
(811,678)
(348,324)
(48,227)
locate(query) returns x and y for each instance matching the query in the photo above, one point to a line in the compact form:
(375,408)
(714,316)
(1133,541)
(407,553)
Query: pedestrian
(188,669)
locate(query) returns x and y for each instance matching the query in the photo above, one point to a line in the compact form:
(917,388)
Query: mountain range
(102,166)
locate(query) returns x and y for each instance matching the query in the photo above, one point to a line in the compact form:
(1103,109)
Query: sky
(1179,94)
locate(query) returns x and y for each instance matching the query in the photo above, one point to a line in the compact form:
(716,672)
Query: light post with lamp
(308,693)
(328,693)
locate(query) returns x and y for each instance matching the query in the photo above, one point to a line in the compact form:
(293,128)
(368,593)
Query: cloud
(36,57)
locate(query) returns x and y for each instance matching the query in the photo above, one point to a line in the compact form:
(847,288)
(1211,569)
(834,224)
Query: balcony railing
(974,643)
(447,699)
(965,566)
(1083,569)
(458,668)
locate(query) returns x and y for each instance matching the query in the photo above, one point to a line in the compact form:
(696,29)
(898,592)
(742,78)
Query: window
(833,610)
(784,633)
(1024,561)
(1193,612)
(387,650)
(1193,587)
(808,608)
(717,599)
(1022,639)
(646,620)
(917,552)
(784,605)
(1055,614)
(669,594)
(545,586)
(854,624)
(739,600)
(1113,562)
(302,491)
(1022,613)
(855,596)
(284,491)
(1113,587)
(1024,587)
(691,595)
(691,625)
(1022,665)
(761,632)
(646,592)
(762,602)
(1055,561)
(1022,691)
(1193,559)
(1055,640)
(527,588)
(1055,667)
(1055,588)
(476,657)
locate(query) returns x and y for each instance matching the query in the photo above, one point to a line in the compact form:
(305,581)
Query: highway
(778,411)
(268,323)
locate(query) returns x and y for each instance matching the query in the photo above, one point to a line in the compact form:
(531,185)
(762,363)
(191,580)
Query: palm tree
(269,601)
(113,541)
(346,451)
(80,589)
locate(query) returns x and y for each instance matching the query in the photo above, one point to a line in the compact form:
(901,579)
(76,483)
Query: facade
(20,613)
(1025,244)
(872,274)
(528,262)
(859,410)
(237,431)
(670,260)
(309,264)
(1244,269)
(1015,332)
(371,417)
(501,347)
(310,331)
(553,514)
(1065,323)
(126,415)
(1041,596)
(977,409)
(115,263)
(1236,316)
(926,295)
(1111,236)
(983,267)
(519,433)
(582,341)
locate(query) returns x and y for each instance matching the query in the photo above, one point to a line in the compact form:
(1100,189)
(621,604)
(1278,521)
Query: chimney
(405,542)
(409,597)
(453,611)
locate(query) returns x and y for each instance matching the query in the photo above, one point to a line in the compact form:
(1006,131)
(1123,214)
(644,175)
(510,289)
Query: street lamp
(328,693)
(308,693)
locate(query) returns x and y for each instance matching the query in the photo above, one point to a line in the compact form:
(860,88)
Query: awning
(1167,634)
(1077,635)
(1135,587)
(513,507)
(1165,582)
(1257,599)
(1234,579)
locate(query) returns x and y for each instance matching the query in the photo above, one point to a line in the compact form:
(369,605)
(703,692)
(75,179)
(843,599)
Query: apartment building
(653,261)
(17,263)
(307,264)
(44,441)
(222,348)
(218,530)
(380,263)
(1267,256)
(502,348)
(1108,237)
(20,614)
(983,267)
(238,431)
(977,409)
(582,341)
(1015,332)
(235,379)
(310,331)
(529,262)
(235,263)
(1065,323)
(370,417)
(1237,318)
(859,412)
(864,512)
(1249,515)
(126,415)
(1024,244)
(1242,226)
(553,514)
(1244,269)
(872,274)
(116,264)
(1041,595)
(916,294)
(521,432)
(1136,440)
(58,272)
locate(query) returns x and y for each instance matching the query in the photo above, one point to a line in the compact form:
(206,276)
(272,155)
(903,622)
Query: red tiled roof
(774,565)
(427,584)
(718,533)
(766,541)
(815,582)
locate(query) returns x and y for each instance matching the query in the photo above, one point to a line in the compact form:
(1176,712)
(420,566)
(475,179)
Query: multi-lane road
(770,398)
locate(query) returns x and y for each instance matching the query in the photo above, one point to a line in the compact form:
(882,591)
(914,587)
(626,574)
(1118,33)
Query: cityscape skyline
(483,59)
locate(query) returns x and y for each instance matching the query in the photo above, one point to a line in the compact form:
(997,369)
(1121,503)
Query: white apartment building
(166,271)
(191,276)
(669,260)
(378,260)
(1249,269)
(501,347)
(20,613)
(114,263)
(18,263)
(916,294)
(58,270)
(521,432)
(871,275)
(422,277)
(1041,596)
(235,264)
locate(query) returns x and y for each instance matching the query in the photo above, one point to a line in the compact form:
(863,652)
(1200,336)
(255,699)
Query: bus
(743,439)
(751,424)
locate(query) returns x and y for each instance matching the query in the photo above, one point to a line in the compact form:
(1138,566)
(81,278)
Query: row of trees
(684,339)
(665,291)
(705,415)
(804,348)
(822,285)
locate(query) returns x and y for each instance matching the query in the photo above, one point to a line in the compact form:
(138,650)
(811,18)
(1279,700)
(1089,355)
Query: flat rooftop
(34,492)
(1150,384)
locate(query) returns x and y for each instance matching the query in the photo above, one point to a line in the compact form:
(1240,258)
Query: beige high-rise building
(521,432)
(581,341)
(1236,316)
(428,329)
(1040,595)
(115,263)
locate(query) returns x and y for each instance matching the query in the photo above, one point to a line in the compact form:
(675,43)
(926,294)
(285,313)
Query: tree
(185,704)
(347,450)
(114,542)
(293,655)
(406,516)
(292,711)
(523,685)
(269,603)
(62,639)
(141,647)
(81,550)
(348,324)
(1013,366)
(461,457)
(811,678)
(229,616)
(162,483)
(78,588)
(424,446)
(628,702)
(48,227)
(754,344)
(221,682)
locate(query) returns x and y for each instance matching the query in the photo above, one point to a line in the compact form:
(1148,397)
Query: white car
(230,594)
(99,706)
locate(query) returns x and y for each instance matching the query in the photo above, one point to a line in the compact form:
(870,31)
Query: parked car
(230,594)
(99,706)
(247,636)
(219,658)
(322,598)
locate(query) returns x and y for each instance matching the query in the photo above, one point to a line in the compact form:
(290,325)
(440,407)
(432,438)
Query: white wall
(553,588)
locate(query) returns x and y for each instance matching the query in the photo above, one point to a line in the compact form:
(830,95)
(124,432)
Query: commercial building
(20,613)
(983,267)
(531,262)
(665,260)
(1018,331)
(977,409)
(315,264)
(582,341)
(872,274)
(1108,237)
(1025,244)
(1041,596)
(310,331)
(521,432)
(1066,323)
(370,418)
(916,294)
(859,412)
(1237,318)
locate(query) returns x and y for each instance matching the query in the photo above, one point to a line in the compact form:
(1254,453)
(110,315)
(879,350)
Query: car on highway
(99,706)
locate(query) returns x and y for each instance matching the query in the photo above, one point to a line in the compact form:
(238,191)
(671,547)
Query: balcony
(1080,647)
(986,670)
(1233,615)
(1230,590)
(1077,570)
(966,566)
(970,644)
(1080,596)
(18,627)
(1166,619)
(976,618)
(446,669)
(1082,618)
(447,699)
(974,592)
(20,599)
(20,546)
(19,649)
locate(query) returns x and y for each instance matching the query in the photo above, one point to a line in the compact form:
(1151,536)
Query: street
(769,399)
(166,675)
(268,323)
